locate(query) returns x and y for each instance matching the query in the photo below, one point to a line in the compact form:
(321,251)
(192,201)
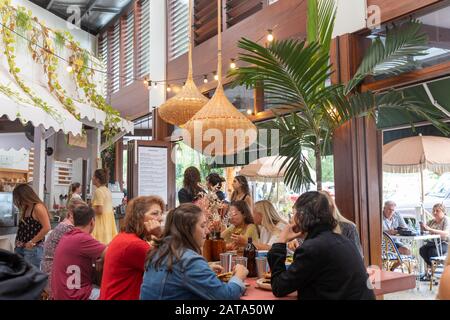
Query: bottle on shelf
(250,254)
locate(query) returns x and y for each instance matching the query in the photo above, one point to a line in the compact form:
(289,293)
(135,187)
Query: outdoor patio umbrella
(265,169)
(415,154)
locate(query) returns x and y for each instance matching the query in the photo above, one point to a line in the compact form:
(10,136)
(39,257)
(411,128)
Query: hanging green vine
(23,21)
(8,42)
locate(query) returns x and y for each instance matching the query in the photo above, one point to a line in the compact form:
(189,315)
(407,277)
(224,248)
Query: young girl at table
(242,227)
(175,268)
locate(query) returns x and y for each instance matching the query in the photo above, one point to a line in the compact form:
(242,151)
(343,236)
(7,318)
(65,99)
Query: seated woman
(242,227)
(345,226)
(327,266)
(270,224)
(440,225)
(124,261)
(175,268)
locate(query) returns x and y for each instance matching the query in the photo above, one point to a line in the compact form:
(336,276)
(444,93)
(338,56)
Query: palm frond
(392,56)
(290,71)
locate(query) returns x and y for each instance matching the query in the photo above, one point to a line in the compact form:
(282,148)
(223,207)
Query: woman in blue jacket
(175,268)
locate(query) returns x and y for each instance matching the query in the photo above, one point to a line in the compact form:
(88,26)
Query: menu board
(152,169)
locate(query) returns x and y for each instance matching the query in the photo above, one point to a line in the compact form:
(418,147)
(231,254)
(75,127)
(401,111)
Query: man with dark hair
(74,258)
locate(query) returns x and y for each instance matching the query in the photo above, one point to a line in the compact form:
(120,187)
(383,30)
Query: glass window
(436,25)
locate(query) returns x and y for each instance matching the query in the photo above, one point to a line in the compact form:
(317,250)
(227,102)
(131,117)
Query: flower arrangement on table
(215,210)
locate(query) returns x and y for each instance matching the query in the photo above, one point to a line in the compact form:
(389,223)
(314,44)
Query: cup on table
(226,261)
(242,260)
(261,266)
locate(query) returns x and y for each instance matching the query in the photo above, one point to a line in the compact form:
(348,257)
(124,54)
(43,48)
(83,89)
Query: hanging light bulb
(269,35)
(216,76)
(169,89)
(205,79)
(69,68)
(249,112)
(155,84)
(232,64)
(146,82)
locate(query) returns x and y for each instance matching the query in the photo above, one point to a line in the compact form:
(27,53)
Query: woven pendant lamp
(182,107)
(219,129)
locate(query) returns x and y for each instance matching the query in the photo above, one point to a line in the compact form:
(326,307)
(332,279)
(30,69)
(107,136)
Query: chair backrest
(389,249)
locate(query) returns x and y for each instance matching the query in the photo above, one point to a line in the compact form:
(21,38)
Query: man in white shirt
(391,221)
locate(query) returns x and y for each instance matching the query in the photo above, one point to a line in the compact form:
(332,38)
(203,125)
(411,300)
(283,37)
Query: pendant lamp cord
(219,41)
(190,73)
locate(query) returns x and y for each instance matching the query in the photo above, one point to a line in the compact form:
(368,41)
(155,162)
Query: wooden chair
(390,255)
(435,262)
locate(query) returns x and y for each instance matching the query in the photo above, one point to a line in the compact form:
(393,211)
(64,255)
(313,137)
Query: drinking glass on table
(242,260)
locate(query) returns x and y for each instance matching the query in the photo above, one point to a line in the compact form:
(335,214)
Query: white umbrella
(415,154)
(265,169)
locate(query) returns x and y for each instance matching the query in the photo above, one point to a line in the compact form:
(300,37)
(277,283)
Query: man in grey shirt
(391,221)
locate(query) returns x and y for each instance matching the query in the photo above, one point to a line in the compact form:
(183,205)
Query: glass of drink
(242,260)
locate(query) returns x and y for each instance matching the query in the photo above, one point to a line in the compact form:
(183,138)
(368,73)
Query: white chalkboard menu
(152,168)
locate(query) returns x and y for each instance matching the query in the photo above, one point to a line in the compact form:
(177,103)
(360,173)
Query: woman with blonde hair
(345,227)
(270,224)
(439,225)
(444,286)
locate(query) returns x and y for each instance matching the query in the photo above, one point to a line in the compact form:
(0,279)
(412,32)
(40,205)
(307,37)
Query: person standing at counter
(105,225)
(34,224)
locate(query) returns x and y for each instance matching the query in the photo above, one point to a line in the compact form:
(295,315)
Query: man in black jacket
(18,279)
(327,266)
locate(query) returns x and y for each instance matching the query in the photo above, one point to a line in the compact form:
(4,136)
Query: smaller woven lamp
(181,108)
(219,119)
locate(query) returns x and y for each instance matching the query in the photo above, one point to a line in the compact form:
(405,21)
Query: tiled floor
(423,293)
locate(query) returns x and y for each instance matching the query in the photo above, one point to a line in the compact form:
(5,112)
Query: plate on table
(264,284)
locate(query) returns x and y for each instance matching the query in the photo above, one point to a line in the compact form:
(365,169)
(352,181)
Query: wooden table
(384,282)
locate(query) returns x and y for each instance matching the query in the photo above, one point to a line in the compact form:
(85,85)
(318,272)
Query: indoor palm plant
(294,74)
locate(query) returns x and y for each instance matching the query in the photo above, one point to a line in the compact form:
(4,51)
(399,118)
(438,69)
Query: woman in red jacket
(123,267)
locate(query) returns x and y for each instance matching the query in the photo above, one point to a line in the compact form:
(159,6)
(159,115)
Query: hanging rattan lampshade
(182,107)
(219,128)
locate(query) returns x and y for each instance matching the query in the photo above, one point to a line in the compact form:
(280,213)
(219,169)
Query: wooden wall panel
(132,101)
(286,17)
(357,165)
(392,9)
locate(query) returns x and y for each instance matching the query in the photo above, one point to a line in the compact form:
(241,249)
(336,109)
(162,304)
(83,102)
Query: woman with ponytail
(74,192)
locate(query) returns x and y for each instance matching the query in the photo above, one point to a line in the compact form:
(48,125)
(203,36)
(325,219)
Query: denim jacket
(191,278)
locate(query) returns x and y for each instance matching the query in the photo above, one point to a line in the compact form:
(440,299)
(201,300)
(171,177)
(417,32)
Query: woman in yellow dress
(105,225)
(242,227)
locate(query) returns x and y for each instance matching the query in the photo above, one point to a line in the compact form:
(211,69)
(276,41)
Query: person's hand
(288,234)
(153,227)
(392,232)
(29,245)
(217,268)
(292,245)
(231,246)
(239,240)
(240,271)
